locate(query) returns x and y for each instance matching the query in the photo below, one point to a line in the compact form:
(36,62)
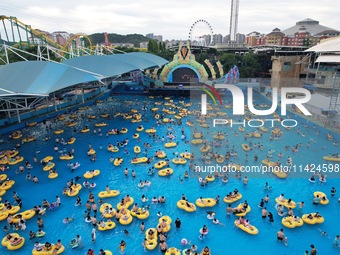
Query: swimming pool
(220,238)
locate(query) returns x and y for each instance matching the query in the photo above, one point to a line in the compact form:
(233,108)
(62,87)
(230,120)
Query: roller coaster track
(28,32)
(22,34)
(80,35)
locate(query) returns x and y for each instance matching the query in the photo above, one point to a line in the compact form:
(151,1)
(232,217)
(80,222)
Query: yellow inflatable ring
(139,160)
(173,251)
(75,193)
(111,193)
(66,157)
(179,161)
(250,229)
(321,196)
(197,141)
(170,145)
(136,149)
(291,222)
(53,175)
(315,220)
(182,204)
(126,221)
(207,202)
(230,200)
(166,218)
(108,226)
(244,213)
(14,245)
(126,205)
(118,161)
(165,172)
(160,164)
(285,203)
(140,214)
(49,166)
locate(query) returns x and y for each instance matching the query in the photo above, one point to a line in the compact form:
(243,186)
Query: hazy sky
(170,18)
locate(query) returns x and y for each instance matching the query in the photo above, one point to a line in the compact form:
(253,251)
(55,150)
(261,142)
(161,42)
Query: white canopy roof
(328,59)
(328,46)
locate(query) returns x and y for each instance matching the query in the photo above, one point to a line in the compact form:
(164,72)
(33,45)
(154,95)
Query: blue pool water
(221,239)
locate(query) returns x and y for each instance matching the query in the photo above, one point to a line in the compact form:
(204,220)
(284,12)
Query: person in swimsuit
(163,246)
(281,236)
(122,246)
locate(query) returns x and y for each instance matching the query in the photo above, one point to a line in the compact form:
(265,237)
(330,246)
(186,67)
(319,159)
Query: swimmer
(281,237)
(68,220)
(86,184)
(122,246)
(28,177)
(333,191)
(31,235)
(336,241)
(184,241)
(78,201)
(312,179)
(210,215)
(144,199)
(216,221)
(267,187)
(323,233)
(39,233)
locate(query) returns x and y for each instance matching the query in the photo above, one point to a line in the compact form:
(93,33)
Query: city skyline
(171,19)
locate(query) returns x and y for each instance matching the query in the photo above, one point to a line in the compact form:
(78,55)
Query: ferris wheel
(201,33)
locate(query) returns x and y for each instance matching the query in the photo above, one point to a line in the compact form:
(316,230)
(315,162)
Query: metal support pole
(27,37)
(82,95)
(48,52)
(18,114)
(7,38)
(54,102)
(6,53)
(9,112)
(11,19)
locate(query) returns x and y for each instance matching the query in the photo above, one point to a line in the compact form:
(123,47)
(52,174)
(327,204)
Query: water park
(114,154)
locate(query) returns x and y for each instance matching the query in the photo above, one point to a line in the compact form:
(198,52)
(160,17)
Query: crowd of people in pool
(91,205)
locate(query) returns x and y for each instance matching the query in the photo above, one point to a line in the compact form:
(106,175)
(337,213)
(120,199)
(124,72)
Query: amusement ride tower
(233,20)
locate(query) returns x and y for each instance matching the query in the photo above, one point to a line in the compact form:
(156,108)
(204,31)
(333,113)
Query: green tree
(249,65)
(153,46)
(201,57)
(228,60)
(135,39)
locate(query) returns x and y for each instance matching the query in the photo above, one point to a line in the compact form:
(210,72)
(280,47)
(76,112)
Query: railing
(324,120)
(321,69)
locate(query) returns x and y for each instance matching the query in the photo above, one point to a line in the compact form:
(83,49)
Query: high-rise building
(240,38)
(217,38)
(154,37)
(150,36)
(158,38)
